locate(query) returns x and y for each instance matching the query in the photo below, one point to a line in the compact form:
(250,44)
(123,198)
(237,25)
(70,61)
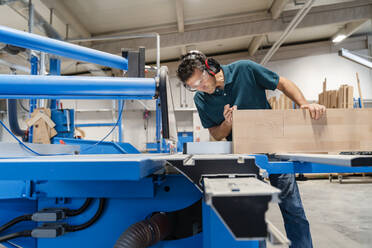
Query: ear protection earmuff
(213,67)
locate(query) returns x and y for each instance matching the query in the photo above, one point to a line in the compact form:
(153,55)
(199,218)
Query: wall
(309,73)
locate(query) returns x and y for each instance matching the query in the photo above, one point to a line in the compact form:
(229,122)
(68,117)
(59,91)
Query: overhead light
(338,38)
(355,58)
(347,30)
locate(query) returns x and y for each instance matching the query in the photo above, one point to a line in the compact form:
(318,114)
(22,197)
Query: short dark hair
(189,62)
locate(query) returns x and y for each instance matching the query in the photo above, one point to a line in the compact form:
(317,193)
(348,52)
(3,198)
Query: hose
(13,118)
(145,233)
(15,221)
(28,217)
(15,235)
(75,228)
(80,210)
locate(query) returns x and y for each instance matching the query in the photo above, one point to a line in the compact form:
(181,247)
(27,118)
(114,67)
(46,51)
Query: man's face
(202,81)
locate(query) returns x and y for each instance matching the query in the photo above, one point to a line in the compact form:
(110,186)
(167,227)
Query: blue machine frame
(132,195)
(35,42)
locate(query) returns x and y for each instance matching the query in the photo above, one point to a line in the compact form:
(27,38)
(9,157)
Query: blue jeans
(295,222)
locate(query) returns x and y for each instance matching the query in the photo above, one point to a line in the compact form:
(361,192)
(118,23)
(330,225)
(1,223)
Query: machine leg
(216,235)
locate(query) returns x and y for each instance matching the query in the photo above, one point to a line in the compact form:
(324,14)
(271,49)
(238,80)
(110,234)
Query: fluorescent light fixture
(338,38)
(355,58)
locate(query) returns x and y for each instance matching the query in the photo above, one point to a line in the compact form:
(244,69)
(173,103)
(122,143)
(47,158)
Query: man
(242,85)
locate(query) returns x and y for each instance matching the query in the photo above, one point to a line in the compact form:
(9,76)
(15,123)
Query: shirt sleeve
(263,76)
(204,118)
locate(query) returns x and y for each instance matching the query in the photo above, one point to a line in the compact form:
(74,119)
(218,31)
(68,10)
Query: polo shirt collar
(227,74)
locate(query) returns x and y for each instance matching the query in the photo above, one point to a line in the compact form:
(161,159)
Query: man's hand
(316,110)
(227,113)
(224,129)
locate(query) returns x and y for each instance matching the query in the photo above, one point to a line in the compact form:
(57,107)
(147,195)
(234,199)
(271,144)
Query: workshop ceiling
(111,15)
(214,27)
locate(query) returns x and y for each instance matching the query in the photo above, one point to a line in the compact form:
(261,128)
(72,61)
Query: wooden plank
(320,99)
(286,105)
(344,94)
(339,98)
(360,91)
(324,90)
(275,103)
(329,99)
(290,103)
(325,97)
(272,131)
(350,96)
(333,101)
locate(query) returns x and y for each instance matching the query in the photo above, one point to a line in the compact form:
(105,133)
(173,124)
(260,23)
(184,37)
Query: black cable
(71,228)
(74,212)
(22,106)
(15,235)
(28,217)
(15,221)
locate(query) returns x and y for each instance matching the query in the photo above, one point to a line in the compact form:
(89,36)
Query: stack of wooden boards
(282,103)
(269,131)
(341,98)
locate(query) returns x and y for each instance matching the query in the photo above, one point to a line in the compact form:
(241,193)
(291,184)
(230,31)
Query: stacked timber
(341,98)
(282,103)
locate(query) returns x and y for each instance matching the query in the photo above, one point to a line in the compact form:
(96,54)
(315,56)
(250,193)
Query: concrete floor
(340,215)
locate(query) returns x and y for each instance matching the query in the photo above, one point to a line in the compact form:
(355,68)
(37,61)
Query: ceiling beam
(348,30)
(255,44)
(180,18)
(322,15)
(287,32)
(277,8)
(62,12)
(42,14)
(22,8)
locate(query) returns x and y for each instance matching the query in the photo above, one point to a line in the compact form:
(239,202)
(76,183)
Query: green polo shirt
(245,85)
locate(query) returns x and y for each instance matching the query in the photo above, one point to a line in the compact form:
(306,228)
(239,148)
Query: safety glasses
(197,83)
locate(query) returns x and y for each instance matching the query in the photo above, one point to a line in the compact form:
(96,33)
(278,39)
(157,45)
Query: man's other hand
(316,110)
(227,113)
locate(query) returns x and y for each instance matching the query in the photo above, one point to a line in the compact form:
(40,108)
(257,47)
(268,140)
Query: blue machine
(183,137)
(64,120)
(106,199)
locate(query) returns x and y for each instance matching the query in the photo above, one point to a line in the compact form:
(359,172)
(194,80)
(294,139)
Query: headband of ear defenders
(211,65)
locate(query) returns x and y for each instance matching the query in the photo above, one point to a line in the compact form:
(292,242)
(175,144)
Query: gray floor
(340,215)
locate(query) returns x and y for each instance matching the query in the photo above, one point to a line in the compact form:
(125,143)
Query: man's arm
(224,129)
(221,131)
(294,93)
